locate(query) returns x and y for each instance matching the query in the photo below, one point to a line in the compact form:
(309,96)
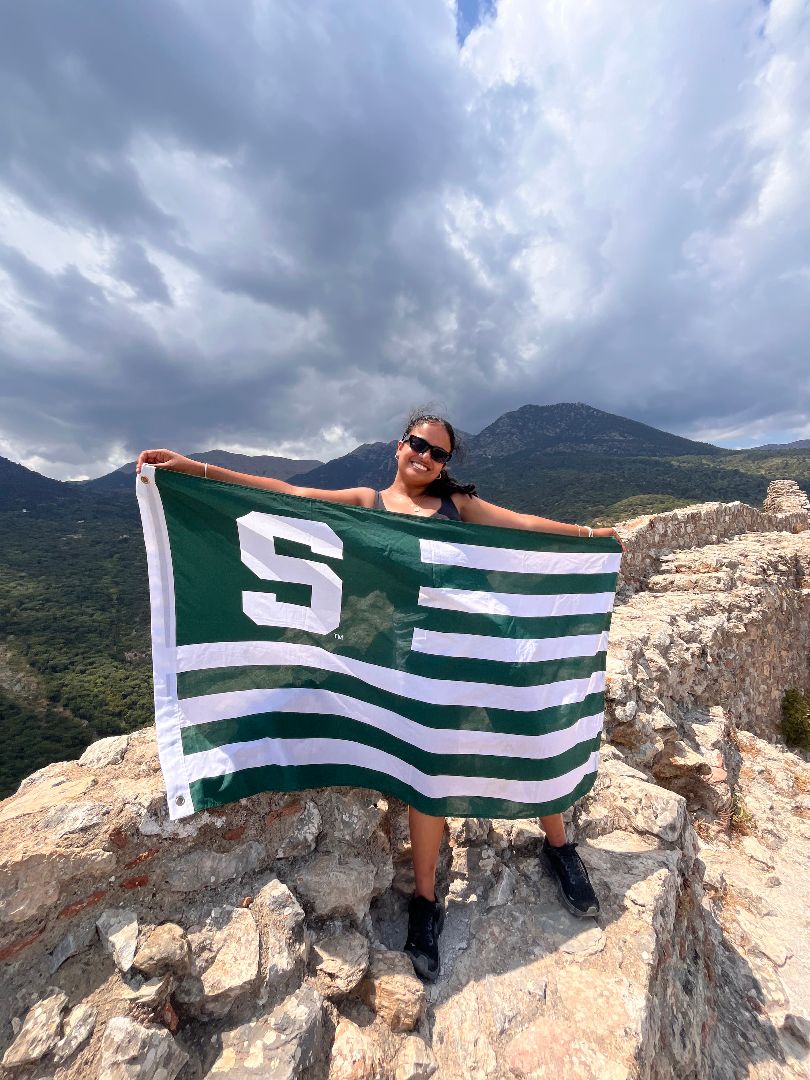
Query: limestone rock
(78,1028)
(339,962)
(205,869)
(105,752)
(164,949)
(152,993)
(133,1051)
(32,884)
(300,832)
(392,990)
(542,1050)
(335,885)
(799,1028)
(226,962)
(39,1032)
(279,1046)
(274,899)
(78,938)
(355,1056)
(68,818)
(118,930)
(415,1060)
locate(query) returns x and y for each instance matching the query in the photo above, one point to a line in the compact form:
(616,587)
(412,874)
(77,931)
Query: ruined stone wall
(264,938)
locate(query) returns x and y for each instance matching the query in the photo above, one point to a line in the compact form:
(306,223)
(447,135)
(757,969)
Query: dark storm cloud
(291,223)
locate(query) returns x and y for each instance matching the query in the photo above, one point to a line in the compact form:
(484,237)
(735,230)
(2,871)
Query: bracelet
(205,474)
(580,527)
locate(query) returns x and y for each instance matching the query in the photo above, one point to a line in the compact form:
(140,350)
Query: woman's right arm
(168,459)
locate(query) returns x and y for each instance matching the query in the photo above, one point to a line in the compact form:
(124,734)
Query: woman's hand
(608,532)
(167,459)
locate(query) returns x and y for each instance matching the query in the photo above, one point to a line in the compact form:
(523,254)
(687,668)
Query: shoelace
(423,934)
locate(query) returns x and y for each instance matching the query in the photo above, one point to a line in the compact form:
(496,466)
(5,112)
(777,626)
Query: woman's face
(412,465)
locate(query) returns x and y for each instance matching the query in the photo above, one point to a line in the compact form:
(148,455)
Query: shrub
(796,718)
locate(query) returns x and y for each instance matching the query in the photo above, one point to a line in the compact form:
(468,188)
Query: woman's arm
(167,459)
(480,512)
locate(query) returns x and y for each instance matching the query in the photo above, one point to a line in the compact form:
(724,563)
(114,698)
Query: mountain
(261,465)
(22,488)
(575,427)
(797,444)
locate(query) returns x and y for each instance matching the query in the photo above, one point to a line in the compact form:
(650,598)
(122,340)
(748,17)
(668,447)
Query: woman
(422,486)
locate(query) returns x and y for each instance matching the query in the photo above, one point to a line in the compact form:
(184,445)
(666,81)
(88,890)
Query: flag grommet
(180,800)
(144,479)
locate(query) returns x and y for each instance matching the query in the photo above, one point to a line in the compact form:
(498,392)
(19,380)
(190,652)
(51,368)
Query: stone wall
(264,938)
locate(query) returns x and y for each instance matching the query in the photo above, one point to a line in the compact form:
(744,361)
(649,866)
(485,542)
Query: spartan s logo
(257,533)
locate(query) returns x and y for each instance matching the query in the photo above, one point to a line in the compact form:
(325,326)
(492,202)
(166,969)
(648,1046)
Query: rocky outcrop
(264,939)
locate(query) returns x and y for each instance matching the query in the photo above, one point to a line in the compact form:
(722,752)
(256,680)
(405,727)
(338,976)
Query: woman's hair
(444,484)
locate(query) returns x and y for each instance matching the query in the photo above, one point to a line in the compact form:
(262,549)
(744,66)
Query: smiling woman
(423,486)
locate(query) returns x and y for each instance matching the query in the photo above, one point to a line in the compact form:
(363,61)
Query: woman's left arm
(480,512)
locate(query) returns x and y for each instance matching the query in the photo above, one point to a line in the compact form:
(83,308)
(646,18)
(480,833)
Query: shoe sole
(591,913)
(420,962)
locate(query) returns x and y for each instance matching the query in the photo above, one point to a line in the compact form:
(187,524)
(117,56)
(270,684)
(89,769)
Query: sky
(274,227)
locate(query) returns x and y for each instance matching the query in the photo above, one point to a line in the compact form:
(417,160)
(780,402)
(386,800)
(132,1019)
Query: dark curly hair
(444,484)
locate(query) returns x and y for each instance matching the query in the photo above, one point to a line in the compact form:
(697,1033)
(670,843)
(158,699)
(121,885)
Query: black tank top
(446,510)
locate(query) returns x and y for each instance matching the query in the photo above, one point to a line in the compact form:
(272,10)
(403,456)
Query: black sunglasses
(419,446)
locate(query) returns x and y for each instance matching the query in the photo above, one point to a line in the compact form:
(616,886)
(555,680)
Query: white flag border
(168,715)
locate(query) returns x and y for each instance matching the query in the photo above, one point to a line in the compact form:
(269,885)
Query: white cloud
(299,226)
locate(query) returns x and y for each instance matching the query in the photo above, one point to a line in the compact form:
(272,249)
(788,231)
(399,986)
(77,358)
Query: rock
(205,869)
(301,831)
(339,962)
(78,1028)
(133,1051)
(39,1032)
(274,899)
(335,885)
(392,990)
(226,962)
(105,752)
(70,818)
(504,888)
(798,1027)
(164,949)
(754,850)
(76,940)
(415,1060)
(32,885)
(153,993)
(275,1047)
(543,1049)
(284,941)
(355,1056)
(118,930)
(586,943)
(279,961)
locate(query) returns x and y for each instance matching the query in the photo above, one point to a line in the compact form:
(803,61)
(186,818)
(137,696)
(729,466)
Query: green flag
(299,643)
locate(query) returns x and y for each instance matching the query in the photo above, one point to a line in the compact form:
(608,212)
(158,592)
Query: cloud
(243,227)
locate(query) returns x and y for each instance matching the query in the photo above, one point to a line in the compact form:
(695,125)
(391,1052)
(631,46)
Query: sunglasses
(419,446)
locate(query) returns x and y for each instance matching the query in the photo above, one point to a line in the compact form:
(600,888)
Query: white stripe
(164,642)
(508,650)
(230,759)
(224,654)
(512,560)
(520,605)
(234,704)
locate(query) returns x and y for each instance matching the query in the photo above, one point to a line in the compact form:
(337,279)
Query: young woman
(422,486)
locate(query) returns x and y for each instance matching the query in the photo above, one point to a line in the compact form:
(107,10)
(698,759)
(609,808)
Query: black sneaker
(575,888)
(425,922)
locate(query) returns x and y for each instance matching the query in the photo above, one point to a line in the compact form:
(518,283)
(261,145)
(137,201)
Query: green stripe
(465,577)
(455,717)
(538,673)
(511,626)
(219,790)
(327,726)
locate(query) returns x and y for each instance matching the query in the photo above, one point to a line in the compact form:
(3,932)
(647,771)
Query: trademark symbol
(338,637)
